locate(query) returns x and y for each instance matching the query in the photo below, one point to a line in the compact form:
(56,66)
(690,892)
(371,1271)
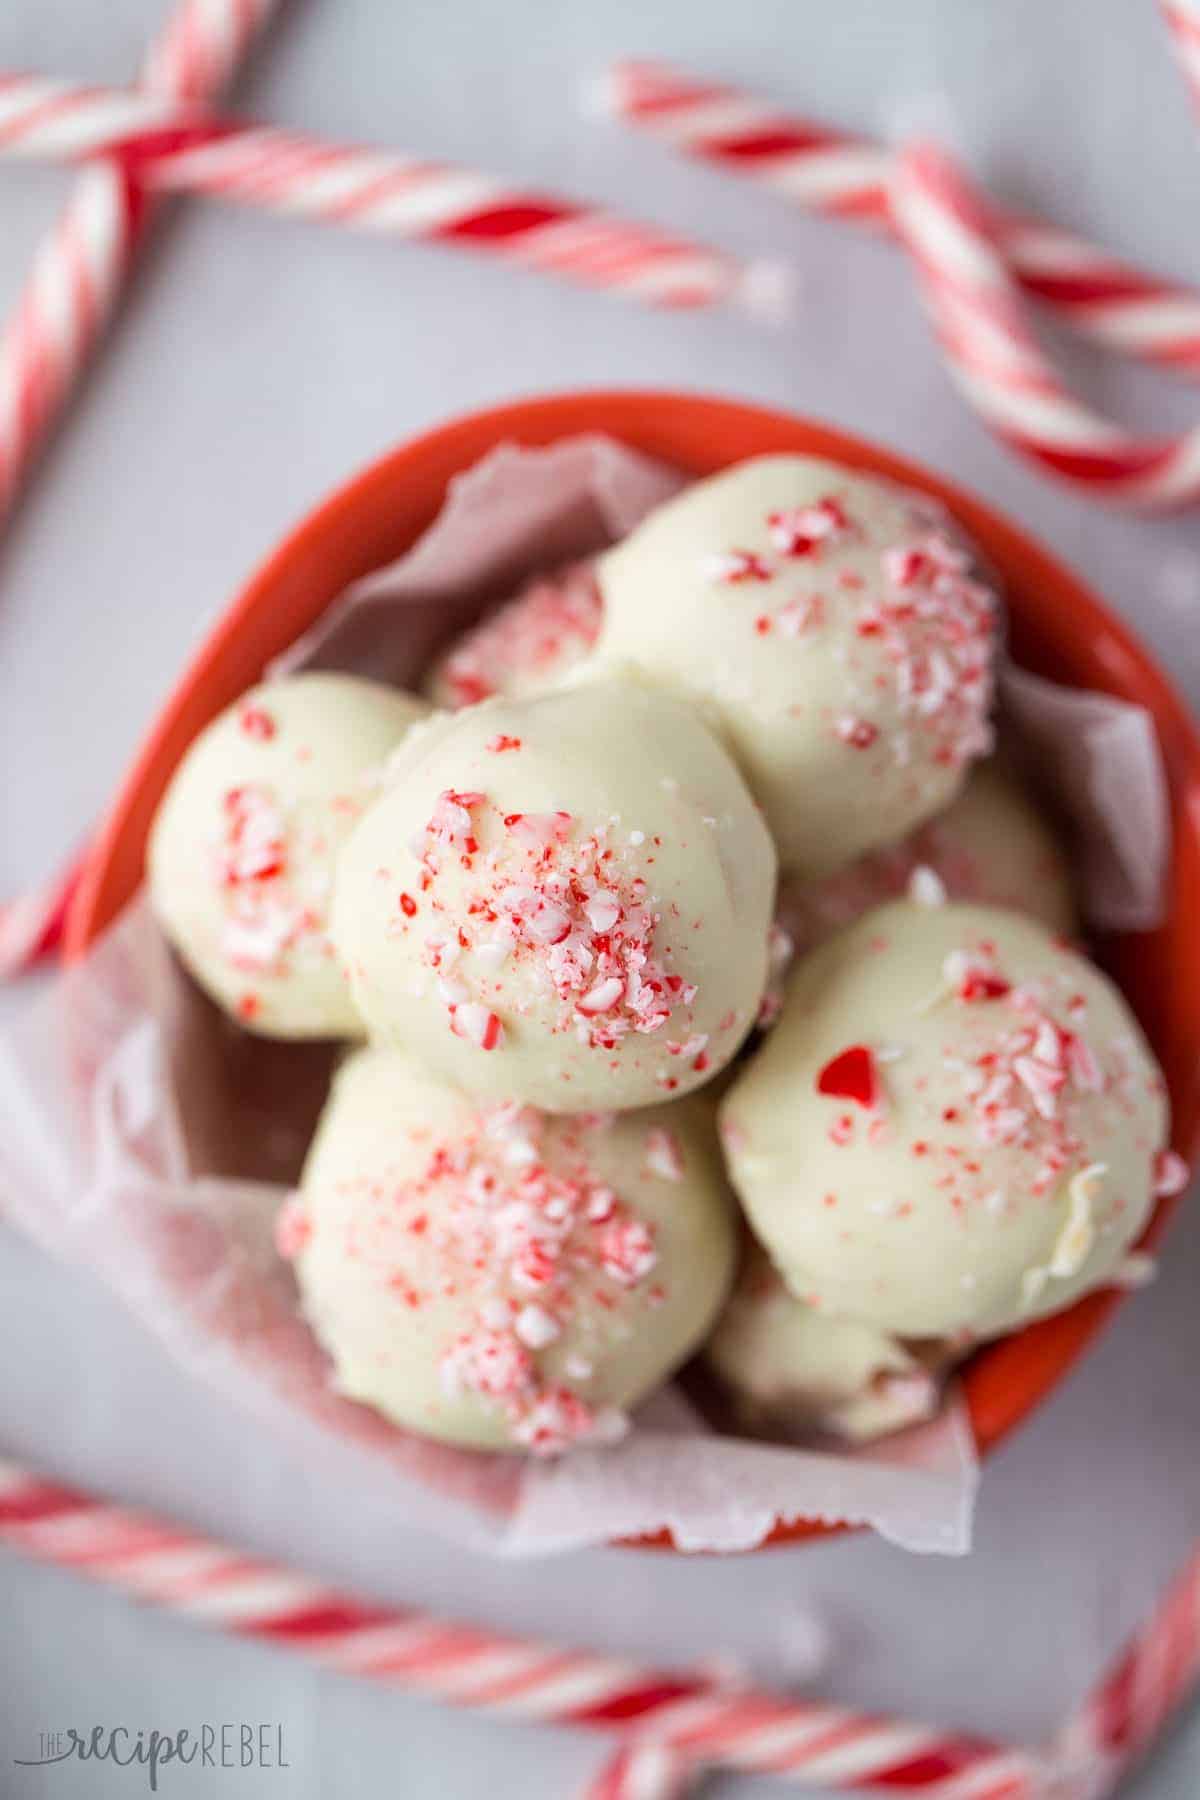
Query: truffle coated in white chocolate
(829,625)
(991,846)
(954,1128)
(497,1277)
(241,853)
(526,646)
(790,1369)
(563,900)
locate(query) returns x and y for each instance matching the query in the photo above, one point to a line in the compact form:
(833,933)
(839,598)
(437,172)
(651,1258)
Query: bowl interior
(1058,628)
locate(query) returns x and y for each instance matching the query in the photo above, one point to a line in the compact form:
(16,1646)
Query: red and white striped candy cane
(78,273)
(167,148)
(826,171)
(670,1725)
(995,359)
(644,1769)
(1131,1707)
(1183,19)
(80,268)
(811,1744)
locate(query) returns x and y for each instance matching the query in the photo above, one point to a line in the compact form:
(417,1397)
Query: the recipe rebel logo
(224,1746)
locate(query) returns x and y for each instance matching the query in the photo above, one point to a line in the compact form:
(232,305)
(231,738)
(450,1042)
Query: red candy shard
(978,984)
(734,566)
(257,722)
(860,734)
(851,1075)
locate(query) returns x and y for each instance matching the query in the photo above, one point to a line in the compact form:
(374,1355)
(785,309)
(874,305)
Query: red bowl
(1058,628)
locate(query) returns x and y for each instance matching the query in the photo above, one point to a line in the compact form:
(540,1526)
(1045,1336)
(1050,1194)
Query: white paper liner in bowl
(148,1138)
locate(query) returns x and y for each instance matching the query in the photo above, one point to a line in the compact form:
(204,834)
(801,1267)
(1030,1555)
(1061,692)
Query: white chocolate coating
(526,646)
(563,901)
(790,1369)
(828,625)
(497,1277)
(241,854)
(991,847)
(954,1127)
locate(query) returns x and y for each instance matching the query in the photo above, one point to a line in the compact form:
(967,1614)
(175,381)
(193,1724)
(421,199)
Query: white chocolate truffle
(953,1128)
(563,901)
(790,1369)
(526,646)
(829,625)
(497,1277)
(991,847)
(241,854)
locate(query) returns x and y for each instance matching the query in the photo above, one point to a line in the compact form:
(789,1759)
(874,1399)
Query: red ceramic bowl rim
(1004,1382)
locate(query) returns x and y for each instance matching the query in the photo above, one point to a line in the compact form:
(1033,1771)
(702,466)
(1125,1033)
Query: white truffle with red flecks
(832,626)
(791,1370)
(991,846)
(242,849)
(498,1277)
(543,633)
(957,1125)
(563,900)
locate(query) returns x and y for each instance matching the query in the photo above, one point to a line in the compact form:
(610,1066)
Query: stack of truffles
(556,907)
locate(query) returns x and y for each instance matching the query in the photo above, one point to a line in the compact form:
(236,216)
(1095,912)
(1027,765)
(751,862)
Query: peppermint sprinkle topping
(257,723)
(860,734)
(510,1219)
(476,1024)
(800,530)
(1171,1174)
(730,567)
(852,1075)
(664,1155)
(566,907)
(550,625)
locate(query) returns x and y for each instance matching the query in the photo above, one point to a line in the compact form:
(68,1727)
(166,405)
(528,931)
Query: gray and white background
(256,365)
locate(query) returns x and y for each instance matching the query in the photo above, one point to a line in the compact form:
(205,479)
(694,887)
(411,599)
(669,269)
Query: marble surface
(258,363)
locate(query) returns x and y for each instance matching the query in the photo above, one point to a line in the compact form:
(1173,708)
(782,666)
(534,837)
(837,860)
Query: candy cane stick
(644,1769)
(1128,1710)
(993,356)
(78,274)
(168,148)
(830,172)
(810,1744)
(80,268)
(1183,21)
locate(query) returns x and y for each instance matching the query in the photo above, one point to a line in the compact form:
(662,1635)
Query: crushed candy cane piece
(731,567)
(257,723)
(851,1075)
(664,1154)
(800,530)
(627,1251)
(535,1326)
(476,1024)
(860,734)
(1171,1174)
